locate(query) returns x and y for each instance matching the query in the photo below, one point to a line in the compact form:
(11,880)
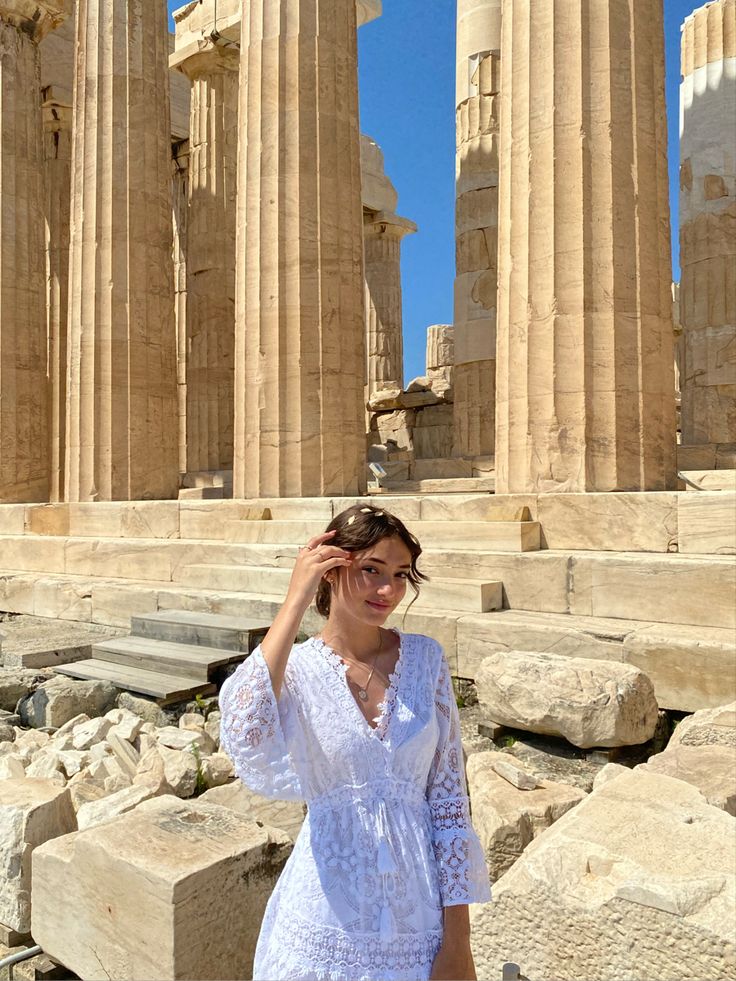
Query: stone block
(47,519)
(88,733)
(286,815)
(691,668)
(712,769)
(609,522)
(16,594)
(28,554)
(60,699)
(707,522)
(708,727)
(433,432)
(112,806)
(12,519)
(507,818)
(440,345)
(115,603)
(666,589)
(62,599)
(435,469)
(480,507)
(711,480)
(31,813)
(185,885)
(643,858)
(15,683)
(588,702)
(118,559)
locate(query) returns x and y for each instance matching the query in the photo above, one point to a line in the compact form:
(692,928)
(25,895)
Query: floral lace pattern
(387,841)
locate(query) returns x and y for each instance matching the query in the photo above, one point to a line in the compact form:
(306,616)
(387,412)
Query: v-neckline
(390,693)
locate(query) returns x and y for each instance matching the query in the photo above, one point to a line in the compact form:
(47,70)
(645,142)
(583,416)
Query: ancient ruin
(202,363)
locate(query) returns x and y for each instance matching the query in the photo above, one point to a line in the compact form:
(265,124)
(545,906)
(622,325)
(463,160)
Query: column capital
(205,56)
(35,17)
(387,223)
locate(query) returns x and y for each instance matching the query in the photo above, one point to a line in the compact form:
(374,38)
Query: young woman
(361,722)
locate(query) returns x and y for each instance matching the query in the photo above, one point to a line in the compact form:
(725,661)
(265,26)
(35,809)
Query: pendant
(363,694)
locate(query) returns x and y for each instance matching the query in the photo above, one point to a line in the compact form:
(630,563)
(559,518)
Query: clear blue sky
(407,96)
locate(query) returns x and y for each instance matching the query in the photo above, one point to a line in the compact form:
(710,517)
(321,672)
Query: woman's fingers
(320,539)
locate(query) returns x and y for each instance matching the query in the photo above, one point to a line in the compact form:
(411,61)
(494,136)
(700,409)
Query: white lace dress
(387,841)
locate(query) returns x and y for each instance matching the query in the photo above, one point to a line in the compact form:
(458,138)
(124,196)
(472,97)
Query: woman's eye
(403,575)
(369,568)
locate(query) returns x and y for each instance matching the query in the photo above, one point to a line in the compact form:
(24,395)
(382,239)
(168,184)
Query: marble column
(24,396)
(180,196)
(585,378)
(476,224)
(299,335)
(708,224)
(122,408)
(57,123)
(213,149)
(382,235)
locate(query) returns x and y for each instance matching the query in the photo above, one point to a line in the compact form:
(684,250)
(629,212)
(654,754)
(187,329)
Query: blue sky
(407,96)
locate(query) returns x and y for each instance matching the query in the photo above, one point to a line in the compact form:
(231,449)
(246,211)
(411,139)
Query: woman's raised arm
(313,561)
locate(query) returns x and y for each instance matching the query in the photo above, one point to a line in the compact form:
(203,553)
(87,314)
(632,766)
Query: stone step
(450,485)
(164,656)
(691,667)
(662,588)
(458,595)
(469,595)
(709,480)
(707,523)
(248,579)
(507,536)
(204,629)
(163,687)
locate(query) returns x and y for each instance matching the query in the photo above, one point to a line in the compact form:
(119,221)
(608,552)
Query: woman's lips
(379,606)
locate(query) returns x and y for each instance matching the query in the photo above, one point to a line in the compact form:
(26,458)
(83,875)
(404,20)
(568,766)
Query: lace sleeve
(462,868)
(255,729)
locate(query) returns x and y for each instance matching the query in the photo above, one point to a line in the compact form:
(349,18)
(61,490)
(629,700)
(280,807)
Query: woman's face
(375,583)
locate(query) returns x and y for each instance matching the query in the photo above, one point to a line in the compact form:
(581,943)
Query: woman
(362,723)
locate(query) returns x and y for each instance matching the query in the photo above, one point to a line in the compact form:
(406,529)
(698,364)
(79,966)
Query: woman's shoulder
(422,644)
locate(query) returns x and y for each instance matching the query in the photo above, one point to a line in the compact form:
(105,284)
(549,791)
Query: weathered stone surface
(7,733)
(609,772)
(707,228)
(589,703)
(217,770)
(145,867)
(57,701)
(151,772)
(708,727)
(318,447)
(122,300)
(112,806)
(192,720)
(12,768)
(31,812)
(88,733)
(572,414)
(180,770)
(184,738)
(643,858)
(440,346)
(284,814)
(14,685)
(712,769)
(47,765)
(507,817)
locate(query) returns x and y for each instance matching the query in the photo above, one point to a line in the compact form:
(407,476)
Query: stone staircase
(170,656)
(648,579)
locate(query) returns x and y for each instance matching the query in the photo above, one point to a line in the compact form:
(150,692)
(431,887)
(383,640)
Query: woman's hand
(454,962)
(314,560)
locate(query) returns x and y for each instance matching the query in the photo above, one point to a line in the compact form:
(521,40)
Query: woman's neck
(349,636)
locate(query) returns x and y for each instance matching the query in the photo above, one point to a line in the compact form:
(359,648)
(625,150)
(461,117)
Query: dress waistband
(384,789)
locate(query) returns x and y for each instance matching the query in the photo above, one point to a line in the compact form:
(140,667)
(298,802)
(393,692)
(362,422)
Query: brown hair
(360,527)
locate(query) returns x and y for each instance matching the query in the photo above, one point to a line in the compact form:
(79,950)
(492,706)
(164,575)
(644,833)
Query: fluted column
(708,224)
(585,378)
(24,397)
(476,224)
(299,342)
(57,122)
(213,71)
(180,196)
(382,235)
(122,422)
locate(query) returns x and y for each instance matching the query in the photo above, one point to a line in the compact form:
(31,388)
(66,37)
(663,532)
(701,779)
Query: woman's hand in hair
(315,559)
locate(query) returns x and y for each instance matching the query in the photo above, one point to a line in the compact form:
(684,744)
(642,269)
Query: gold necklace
(363,691)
